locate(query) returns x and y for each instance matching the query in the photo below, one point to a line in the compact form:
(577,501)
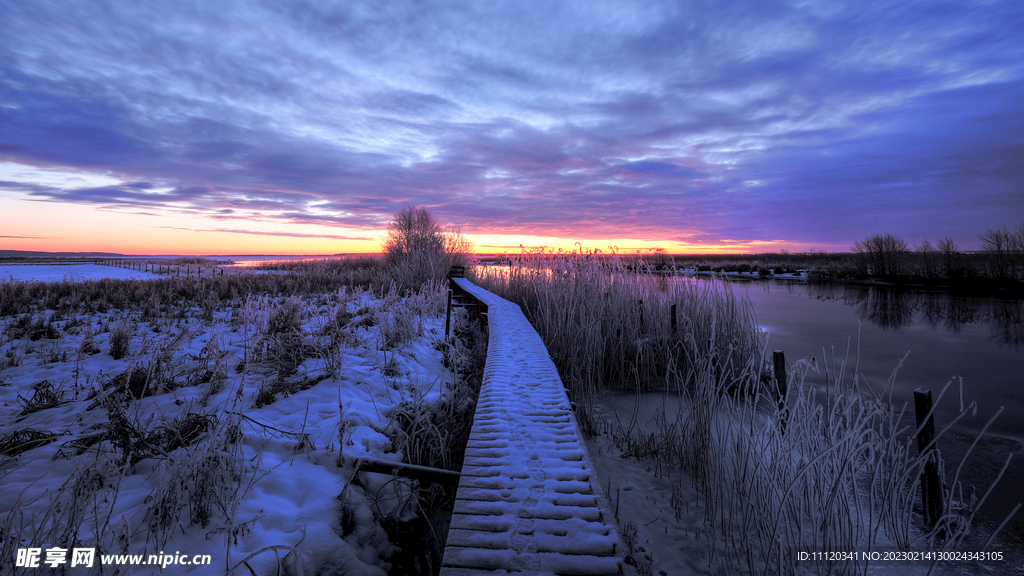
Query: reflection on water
(896,309)
(947,336)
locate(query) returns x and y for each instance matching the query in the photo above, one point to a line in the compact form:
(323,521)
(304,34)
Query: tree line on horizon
(999,263)
(1000,259)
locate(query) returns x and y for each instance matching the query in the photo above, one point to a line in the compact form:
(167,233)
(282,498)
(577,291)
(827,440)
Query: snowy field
(67,272)
(225,435)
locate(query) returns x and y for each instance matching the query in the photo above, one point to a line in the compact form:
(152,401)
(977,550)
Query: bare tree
(457,247)
(950,256)
(926,252)
(413,231)
(419,250)
(1000,244)
(883,254)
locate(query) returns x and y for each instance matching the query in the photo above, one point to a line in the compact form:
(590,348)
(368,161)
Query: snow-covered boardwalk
(528,501)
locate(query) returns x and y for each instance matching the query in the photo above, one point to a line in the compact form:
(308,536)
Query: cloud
(270,233)
(816,122)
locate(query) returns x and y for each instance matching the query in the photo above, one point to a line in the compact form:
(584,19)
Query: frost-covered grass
(607,327)
(187,419)
(740,491)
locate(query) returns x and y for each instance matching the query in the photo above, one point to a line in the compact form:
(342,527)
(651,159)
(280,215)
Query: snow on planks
(528,501)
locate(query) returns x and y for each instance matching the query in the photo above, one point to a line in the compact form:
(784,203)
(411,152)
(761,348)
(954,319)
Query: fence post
(448,316)
(673,318)
(931,488)
(781,384)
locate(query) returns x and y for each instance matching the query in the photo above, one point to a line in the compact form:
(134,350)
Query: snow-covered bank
(67,273)
(229,432)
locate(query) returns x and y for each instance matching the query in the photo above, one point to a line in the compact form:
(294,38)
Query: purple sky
(798,125)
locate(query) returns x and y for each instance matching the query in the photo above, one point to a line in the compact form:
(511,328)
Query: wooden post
(931,488)
(781,383)
(673,318)
(779,359)
(641,305)
(448,316)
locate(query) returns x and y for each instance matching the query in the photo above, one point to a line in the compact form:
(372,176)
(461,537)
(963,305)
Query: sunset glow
(240,128)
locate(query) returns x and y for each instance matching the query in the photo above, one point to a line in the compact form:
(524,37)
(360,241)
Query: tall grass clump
(607,326)
(120,339)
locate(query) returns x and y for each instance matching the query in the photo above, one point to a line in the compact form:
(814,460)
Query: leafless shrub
(88,343)
(287,351)
(126,434)
(120,339)
(286,318)
(205,480)
(417,250)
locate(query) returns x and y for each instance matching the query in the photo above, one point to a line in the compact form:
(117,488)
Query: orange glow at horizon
(32,225)
(52,227)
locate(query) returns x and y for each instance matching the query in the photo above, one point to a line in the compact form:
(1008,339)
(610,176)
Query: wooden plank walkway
(528,501)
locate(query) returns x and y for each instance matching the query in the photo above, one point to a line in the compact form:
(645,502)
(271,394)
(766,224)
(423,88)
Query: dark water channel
(943,336)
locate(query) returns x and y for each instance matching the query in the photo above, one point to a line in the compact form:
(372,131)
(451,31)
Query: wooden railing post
(448,316)
(931,487)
